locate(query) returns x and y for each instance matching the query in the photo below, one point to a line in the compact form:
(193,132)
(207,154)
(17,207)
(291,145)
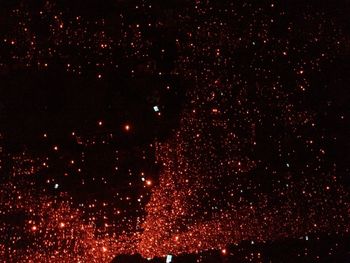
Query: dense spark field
(209,195)
(255,154)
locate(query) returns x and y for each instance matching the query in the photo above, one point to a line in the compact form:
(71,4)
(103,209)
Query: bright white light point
(55,148)
(149,182)
(100,123)
(306,238)
(56,186)
(168,258)
(62,225)
(127,127)
(223,251)
(104,249)
(155,108)
(287,164)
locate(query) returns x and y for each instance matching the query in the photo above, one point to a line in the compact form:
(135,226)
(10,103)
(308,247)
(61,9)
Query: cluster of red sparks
(218,185)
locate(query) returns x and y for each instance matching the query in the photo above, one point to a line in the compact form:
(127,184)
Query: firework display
(170,129)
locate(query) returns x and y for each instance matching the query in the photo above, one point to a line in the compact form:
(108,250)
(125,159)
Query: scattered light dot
(149,182)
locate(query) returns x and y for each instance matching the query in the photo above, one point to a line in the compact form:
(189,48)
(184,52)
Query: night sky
(211,131)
